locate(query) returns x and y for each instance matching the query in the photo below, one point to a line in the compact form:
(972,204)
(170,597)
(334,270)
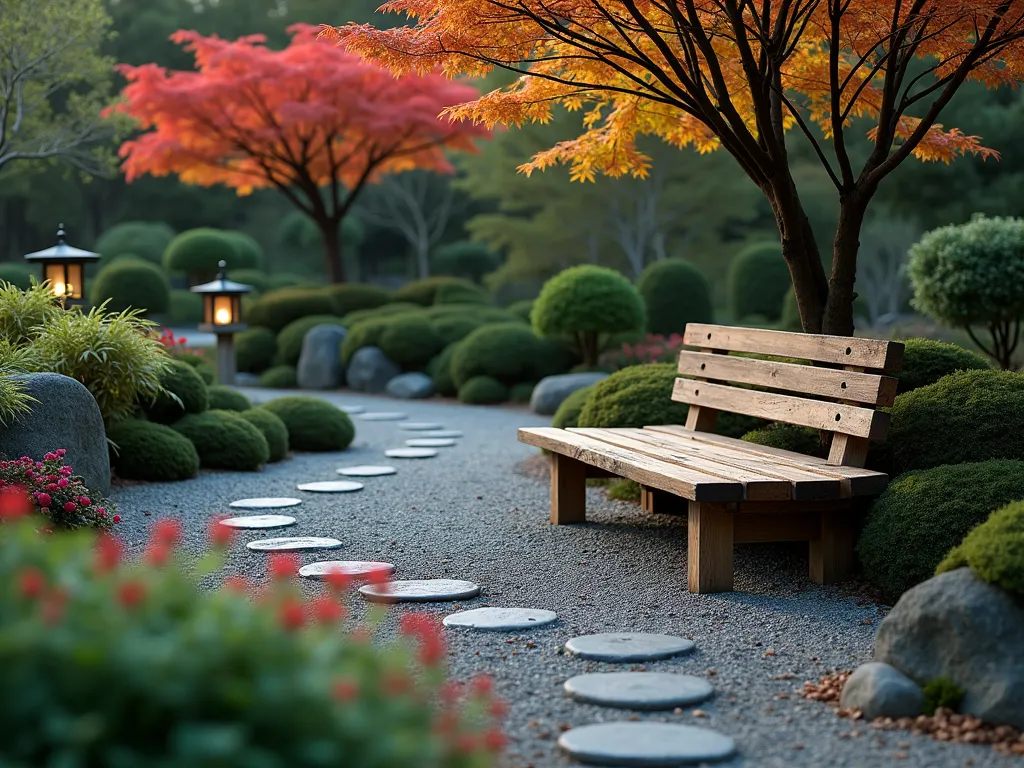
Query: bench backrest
(841,399)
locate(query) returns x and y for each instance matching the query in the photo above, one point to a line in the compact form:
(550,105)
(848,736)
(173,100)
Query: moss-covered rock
(227,399)
(313,424)
(483,390)
(289,340)
(143,450)
(273,429)
(224,440)
(255,349)
(185,393)
(925,361)
(279,377)
(994,550)
(568,413)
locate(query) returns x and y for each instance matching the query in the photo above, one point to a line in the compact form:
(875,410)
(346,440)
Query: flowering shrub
(133,664)
(653,349)
(168,340)
(57,493)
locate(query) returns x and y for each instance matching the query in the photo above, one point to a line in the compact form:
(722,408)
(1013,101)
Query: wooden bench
(739,492)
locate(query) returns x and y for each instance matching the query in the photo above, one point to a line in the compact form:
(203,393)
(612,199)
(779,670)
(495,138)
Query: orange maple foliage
(311,120)
(735,74)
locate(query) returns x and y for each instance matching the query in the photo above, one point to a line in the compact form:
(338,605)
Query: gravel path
(468,514)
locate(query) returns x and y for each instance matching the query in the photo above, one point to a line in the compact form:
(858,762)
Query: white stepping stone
(646,744)
(366,470)
(430,442)
(628,646)
(442,433)
(331,486)
(639,690)
(420,591)
(499,619)
(419,426)
(259,521)
(383,416)
(354,569)
(411,453)
(292,544)
(352,409)
(265,503)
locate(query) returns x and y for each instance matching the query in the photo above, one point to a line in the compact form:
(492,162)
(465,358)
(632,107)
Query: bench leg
(709,551)
(832,553)
(654,501)
(568,490)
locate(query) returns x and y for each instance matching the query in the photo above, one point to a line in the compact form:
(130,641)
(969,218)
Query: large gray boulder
(411,386)
(65,416)
(959,627)
(320,360)
(370,370)
(879,690)
(552,390)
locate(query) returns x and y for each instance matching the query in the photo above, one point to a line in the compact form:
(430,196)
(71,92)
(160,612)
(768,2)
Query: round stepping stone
(420,591)
(353,568)
(646,744)
(639,690)
(331,486)
(352,409)
(628,646)
(265,503)
(383,416)
(430,442)
(419,426)
(411,453)
(259,521)
(498,619)
(292,544)
(366,470)
(442,433)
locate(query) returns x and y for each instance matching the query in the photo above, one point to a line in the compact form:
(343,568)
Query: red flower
(131,593)
(283,565)
(466,743)
(396,683)
(495,740)
(345,690)
(220,535)
(14,503)
(108,553)
(84,501)
(327,610)
(43,499)
(31,582)
(499,708)
(451,692)
(167,532)
(236,584)
(157,554)
(117,518)
(291,615)
(483,686)
(378,576)
(53,605)
(337,580)
(70,506)
(427,631)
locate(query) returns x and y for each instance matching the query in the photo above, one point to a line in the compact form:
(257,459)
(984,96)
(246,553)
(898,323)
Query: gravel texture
(471,514)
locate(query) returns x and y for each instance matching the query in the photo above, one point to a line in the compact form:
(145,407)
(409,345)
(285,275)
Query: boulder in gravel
(320,360)
(411,386)
(552,390)
(959,627)
(879,690)
(65,416)
(370,370)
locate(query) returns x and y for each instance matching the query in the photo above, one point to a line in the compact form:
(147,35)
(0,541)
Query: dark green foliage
(454,328)
(255,349)
(994,550)
(464,258)
(289,340)
(790,320)
(279,377)
(227,399)
(441,372)
(132,284)
(459,294)
(522,309)
(313,424)
(637,396)
(758,282)
(479,312)
(926,361)
(941,693)
(273,430)
(483,390)
(568,413)
(352,297)
(365,333)
(18,273)
(278,308)
(788,437)
(198,251)
(622,489)
(556,356)
(424,292)
(146,239)
(143,450)
(410,341)
(206,373)
(507,352)
(285,280)
(257,278)
(521,392)
(387,310)
(675,293)
(923,514)
(250,252)
(224,440)
(185,307)
(187,385)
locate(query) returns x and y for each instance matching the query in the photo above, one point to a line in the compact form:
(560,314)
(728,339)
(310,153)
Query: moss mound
(352,297)
(926,361)
(289,340)
(181,381)
(279,377)
(568,413)
(522,309)
(224,440)
(388,310)
(508,352)
(257,278)
(483,390)
(452,328)
(132,284)
(410,341)
(675,293)
(994,550)
(255,349)
(788,437)
(273,430)
(424,292)
(366,333)
(146,239)
(440,369)
(276,309)
(313,424)
(199,251)
(153,452)
(227,399)
(521,392)
(637,396)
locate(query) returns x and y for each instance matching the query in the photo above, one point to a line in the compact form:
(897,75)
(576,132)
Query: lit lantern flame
(222,316)
(59,289)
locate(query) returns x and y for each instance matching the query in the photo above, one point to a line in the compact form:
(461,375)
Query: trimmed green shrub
(790,320)
(521,392)
(146,239)
(352,297)
(184,392)
(273,429)
(250,252)
(568,413)
(224,440)
(522,309)
(388,310)
(206,373)
(289,340)
(424,292)
(479,312)
(143,450)
(277,309)
(281,280)
(454,328)
(637,396)
(255,350)
(506,351)
(410,341)
(675,293)
(197,252)
(132,284)
(483,390)
(185,307)
(227,399)
(926,361)
(313,424)
(555,356)
(758,282)
(448,295)
(923,514)
(464,258)
(586,303)
(363,334)
(994,550)
(622,489)
(279,377)
(17,273)
(941,693)
(257,278)
(440,369)
(788,437)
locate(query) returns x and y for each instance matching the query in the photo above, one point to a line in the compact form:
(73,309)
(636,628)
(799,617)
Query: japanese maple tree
(313,121)
(730,74)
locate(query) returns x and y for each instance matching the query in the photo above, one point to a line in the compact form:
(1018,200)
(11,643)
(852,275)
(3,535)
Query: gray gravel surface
(468,514)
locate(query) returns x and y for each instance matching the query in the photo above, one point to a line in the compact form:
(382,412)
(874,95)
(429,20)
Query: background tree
(311,121)
(730,75)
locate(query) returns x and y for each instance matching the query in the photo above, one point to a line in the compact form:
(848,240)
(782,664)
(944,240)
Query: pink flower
(63,482)
(117,518)
(43,499)
(70,506)
(84,501)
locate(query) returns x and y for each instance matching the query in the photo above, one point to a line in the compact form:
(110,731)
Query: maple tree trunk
(331,235)
(838,311)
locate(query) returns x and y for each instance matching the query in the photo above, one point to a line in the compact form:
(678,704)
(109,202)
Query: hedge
(143,450)
(388,310)
(273,430)
(146,239)
(184,382)
(522,309)
(926,361)
(132,284)
(483,390)
(289,340)
(313,424)
(278,308)
(758,281)
(255,350)
(224,440)
(994,550)
(675,293)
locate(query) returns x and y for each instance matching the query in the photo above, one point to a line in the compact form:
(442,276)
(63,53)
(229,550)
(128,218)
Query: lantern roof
(62,251)
(222,285)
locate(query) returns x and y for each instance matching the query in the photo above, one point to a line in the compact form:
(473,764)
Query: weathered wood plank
(832,552)
(709,532)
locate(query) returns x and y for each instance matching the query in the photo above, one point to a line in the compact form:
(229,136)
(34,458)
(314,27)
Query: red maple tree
(316,124)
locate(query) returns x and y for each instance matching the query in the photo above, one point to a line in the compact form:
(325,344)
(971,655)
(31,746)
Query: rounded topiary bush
(788,437)
(197,252)
(278,308)
(280,280)
(926,361)
(521,309)
(366,333)
(224,440)
(313,424)
(132,284)
(273,429)
(250,252)
(255,350)
(227,399)
(185,307)
(521,392)
(410,341)
(994,550)
(568,413)
(586,304)
(458,295)
(637,396)
(143,450)
(505,351)
(675,293)
(146,239)
(257,278)
(556,356)
(379,313)
(352,297)
(440,369)
(289,340)
(280,377)
(19,274)
(758,281)
(452,328)
(184,382)
(464,258)
(483,390)
(923,514)
(424,292)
